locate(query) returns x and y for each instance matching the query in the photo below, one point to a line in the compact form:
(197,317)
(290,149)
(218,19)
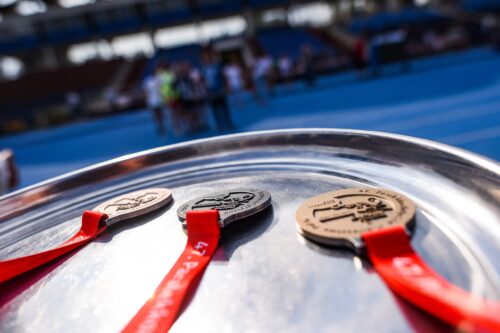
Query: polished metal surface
(265,277)
(234,204)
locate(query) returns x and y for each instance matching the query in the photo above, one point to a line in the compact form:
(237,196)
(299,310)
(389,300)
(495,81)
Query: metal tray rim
(478,160)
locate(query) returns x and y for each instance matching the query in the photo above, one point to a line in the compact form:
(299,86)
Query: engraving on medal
(356,212)
(232,204)
(134,204)
(226,202)
(340,217)
(131,202)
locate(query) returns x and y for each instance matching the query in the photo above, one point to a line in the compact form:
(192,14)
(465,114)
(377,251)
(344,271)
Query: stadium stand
(92,75)
(257,27)
(48,89)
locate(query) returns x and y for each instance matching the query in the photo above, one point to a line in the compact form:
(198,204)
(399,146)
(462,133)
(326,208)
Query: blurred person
(9,174)
(73,103)
(488,26)
(306,64)
(166,77)
(496,39)
(111,97)
(213,76)
(154,100)
(433,41)
(406,34)
(373,54)
(235,81)
(191,98)
(199,98)
(390,46)
(285,68)
(360,53)
(261,73)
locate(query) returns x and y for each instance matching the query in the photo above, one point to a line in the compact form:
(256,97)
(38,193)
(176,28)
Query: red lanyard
(159,313)
(391,254)
(379,218)
(90,229)
(94,222)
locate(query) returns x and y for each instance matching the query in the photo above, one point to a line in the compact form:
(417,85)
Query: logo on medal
(134,204)
(131,202)
(361,211)
(224,202)
(232,205)
(341,217)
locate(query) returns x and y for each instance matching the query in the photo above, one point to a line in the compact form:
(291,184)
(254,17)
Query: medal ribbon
(391,254)
(159,313)
(90,228)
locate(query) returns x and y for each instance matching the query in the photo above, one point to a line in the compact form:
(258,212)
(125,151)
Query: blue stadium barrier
(386,20)
(171,17)
(70,35)
(19,44)
(121,25)
(481,5)
(222,8)
(289,40)
(268,3)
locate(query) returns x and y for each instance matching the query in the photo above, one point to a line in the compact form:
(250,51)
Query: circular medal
(340,217)
(133,204)
(232,204)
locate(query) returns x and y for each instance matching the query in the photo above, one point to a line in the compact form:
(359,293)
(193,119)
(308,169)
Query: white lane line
(472,136)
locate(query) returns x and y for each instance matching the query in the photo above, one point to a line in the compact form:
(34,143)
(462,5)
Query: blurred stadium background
(73,73)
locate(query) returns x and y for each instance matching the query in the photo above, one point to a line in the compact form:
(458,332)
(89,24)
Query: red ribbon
(91,228)
(391,254)
(161,310)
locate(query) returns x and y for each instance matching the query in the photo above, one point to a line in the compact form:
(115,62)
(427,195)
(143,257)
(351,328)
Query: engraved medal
(133,204)
(340,217)
(377,220)
(231,204)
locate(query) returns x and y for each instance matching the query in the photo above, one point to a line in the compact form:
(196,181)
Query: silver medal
(232,204)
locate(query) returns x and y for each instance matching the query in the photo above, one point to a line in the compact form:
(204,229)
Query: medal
(231,205)
(341,217)
(203,217)
(94,223)
(376,222)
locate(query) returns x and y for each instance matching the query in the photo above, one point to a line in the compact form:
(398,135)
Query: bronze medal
(232,204)
(133,204)
(340,217)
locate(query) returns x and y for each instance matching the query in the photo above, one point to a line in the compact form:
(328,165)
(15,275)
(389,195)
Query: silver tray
(265,277)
